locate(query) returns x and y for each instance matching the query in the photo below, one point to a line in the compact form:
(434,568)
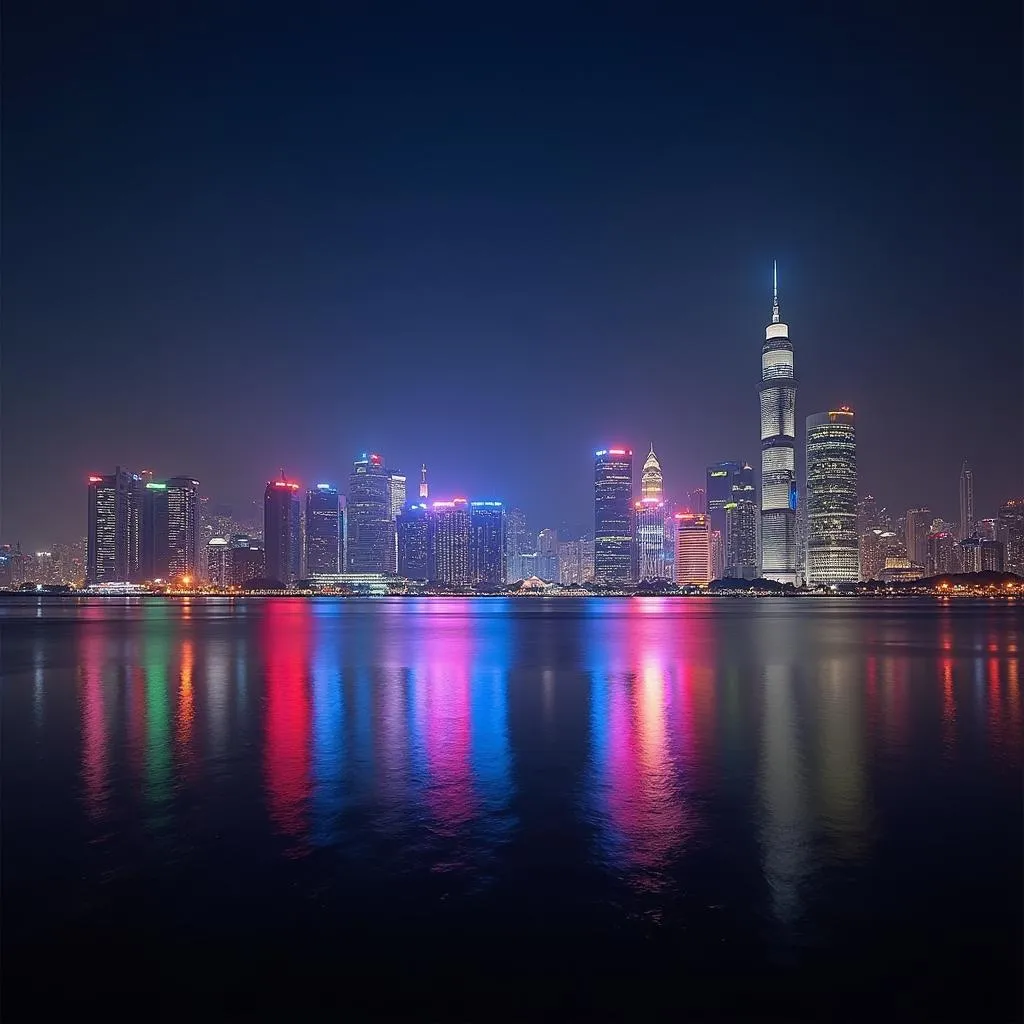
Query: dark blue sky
(244,236)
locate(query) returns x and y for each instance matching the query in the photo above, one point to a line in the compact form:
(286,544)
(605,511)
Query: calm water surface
(491,808)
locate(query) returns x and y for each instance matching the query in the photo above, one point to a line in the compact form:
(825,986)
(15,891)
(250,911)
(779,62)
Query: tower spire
(775,292)
(423,480)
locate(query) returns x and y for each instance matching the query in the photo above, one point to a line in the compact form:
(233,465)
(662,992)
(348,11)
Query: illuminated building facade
(518,544)
(246,559)
(832,544)
(741,539)
(396,492)
(281,531)
(108,536)
(693,550)
(697,500)
(1010,533)
(652,481)
(966,502)
(371,547)
(992,559)
(720,479)
(218,562)
(182,496)
(414,541)
(487,541)
(941,557)
(649,545)
(613,492)
(970,555)
(918,526)
(449,543)
(546,564)
(323,530)
(778,451)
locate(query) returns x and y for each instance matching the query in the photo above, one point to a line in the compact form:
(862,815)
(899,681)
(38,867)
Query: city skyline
(521,242)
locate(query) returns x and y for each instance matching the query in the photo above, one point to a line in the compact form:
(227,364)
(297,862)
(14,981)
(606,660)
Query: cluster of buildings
(141,529)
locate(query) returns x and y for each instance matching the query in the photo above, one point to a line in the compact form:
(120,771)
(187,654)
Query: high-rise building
(587,557)
(992,558)
(741,517)
(697,501)
(570,562)
(1010,533)
(652,481)
(323,530)
(218,561)
(693,550)
(832,544)
(518,543)
(414,541)
(987,529)
(649,530)
(613,492)
(966,501)
(778,451)
(181,493)
(369,522)
(970,555)
(941,559)
(917,529)
(246,559)
(449,542)
(424,490)
(109,535)
(281,532)
(720,478)
(546,566)
(487,542)
(396,492)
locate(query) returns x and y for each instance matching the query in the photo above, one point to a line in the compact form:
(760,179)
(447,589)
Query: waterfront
(756,808)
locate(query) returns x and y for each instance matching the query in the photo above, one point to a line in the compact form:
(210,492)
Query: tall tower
(613,493)
(652,481)
(323,530)
(778,449)
(966,502)
(833,554)
(423,482)
(371,528)
(281,530)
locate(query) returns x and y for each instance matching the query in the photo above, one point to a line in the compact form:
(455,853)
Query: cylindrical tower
(832,545)
(778,451)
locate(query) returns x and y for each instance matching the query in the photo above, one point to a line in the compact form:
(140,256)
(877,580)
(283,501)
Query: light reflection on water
(671,760)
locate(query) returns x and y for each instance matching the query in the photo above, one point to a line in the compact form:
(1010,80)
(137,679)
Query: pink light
(375,459)
(95,479)
(619,451)
(285,483)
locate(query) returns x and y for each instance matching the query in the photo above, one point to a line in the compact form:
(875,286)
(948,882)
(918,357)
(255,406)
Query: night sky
(249,236)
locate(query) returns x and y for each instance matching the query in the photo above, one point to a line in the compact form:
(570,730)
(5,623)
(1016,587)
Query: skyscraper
(218,561)
(546,566)
(918,526)
(246,559)
(182,496)
(518,544)
(720,479)
(652,481)
(487,540)
(369,522)
(741,526)
(414,541)
(697,501)
(778,451)
(613,491)
(832,543)
(966,502)
(693,550)
(649,529)
(323,530)
(423,482)
(108,532)
(941,559)
(281,540)
(449,542)
(396,492)
(1010,533)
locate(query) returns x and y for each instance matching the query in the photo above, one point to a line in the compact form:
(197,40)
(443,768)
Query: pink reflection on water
(94,725)
(286,649)
(186,708)
(646,722)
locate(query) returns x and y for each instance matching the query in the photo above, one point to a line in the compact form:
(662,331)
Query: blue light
(603,451)
(486,504)
(323,487)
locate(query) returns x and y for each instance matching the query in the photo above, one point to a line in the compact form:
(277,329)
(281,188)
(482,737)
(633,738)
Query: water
(477,808)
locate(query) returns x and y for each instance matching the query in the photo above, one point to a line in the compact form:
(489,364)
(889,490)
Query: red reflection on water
(137,721)
(286,647)
(94,725)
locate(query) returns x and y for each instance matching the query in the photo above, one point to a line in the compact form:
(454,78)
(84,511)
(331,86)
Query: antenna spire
(775,292)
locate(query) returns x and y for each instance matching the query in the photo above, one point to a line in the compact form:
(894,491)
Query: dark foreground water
(490,809)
